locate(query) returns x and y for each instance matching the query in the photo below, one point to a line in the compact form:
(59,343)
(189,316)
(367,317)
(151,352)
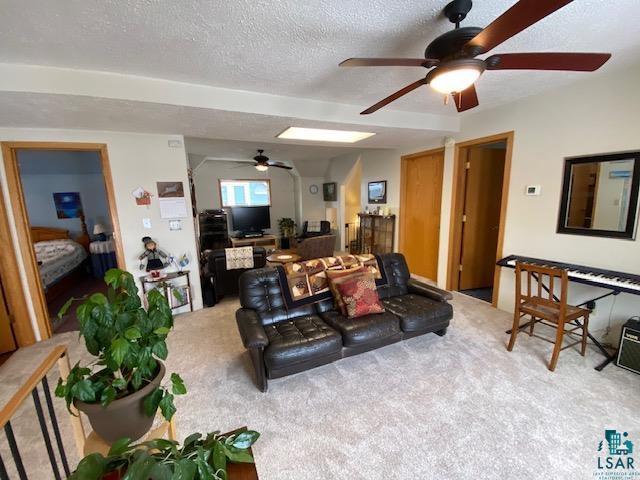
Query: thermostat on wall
(175,225)
(533,190)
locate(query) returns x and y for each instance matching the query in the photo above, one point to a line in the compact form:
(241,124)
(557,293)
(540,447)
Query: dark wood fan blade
(394,96)
(522,15)
(466,99)
(389,62)
(280,166)
(579,62)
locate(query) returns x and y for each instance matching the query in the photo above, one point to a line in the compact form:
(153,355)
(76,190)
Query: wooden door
(420,212)
(7,341)
(584,181)
(481,216)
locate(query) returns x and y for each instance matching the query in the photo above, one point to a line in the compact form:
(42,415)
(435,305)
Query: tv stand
(269,242)
(251,234)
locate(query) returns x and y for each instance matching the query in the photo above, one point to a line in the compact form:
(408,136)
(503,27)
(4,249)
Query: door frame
(457,206)
(34,288)
(403,193)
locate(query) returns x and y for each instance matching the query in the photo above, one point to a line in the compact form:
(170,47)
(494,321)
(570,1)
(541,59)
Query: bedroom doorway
(62,201)
(480,186)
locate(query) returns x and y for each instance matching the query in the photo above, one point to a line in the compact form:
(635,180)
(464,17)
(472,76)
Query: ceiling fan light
(456,80)
(262,168)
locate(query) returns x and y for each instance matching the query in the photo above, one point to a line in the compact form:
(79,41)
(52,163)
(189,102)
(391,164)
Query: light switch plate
(175,225)
(533,190)
(146,222)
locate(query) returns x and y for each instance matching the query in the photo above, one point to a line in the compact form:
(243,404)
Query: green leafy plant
(127,341)
(287,227)
(198,459)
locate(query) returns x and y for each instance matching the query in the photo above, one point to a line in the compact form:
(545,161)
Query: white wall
(283,199)
(352,189)
(373,165)
(38,193)
(136,160)
(312,205)
(597,115)
(339,171)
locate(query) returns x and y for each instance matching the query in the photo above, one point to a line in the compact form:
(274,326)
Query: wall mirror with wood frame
(600,195)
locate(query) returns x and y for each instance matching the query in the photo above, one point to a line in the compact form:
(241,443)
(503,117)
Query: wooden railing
(30,387)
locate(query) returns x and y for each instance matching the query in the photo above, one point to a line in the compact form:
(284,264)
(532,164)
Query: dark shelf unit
(214,232)
(376,233)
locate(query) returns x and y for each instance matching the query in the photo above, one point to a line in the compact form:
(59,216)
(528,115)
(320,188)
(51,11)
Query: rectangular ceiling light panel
(322,135)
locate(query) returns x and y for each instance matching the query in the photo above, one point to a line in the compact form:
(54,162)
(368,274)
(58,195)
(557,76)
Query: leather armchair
(325,229)
(283,341)
(316,247)
(225,282)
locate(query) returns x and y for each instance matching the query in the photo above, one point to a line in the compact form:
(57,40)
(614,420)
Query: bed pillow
(360,295)
(337,276)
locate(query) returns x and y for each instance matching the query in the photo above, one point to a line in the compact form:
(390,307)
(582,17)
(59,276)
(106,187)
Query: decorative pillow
(359,294)
(337,276)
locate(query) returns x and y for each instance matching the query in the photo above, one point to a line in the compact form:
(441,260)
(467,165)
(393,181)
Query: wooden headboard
(41,234)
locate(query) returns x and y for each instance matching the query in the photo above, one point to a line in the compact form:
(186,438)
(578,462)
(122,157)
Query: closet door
(421,198)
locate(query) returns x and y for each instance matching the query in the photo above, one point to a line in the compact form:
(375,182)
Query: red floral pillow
(359,295)
(337,276)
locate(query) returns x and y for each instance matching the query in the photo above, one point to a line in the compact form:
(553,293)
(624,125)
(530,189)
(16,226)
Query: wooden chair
(544,307)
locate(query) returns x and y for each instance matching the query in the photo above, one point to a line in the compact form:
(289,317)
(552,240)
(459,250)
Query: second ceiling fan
(262,163)
(453,53)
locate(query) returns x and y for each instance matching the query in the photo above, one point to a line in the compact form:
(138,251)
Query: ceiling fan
(262,163)
(453,53)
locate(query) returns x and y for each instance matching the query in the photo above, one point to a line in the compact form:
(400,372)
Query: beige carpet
(457,407)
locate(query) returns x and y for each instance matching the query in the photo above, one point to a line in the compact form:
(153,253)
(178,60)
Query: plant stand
(168,284)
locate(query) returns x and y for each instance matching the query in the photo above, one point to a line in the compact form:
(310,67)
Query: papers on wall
(171,200)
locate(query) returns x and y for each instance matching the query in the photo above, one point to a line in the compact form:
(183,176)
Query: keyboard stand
(590,304)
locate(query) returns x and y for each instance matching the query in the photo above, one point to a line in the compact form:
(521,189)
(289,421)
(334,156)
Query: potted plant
(198,459)
(287,230)
(121,390)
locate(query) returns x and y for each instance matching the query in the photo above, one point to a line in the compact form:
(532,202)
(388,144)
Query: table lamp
(100,232)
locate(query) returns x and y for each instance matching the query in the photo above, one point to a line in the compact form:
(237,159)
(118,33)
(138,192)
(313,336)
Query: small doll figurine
(153,255)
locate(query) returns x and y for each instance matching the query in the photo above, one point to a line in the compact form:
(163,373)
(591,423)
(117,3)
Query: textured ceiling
(33,110)
(289,47)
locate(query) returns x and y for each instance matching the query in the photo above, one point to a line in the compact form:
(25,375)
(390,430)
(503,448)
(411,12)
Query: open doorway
(480,186)
(64,211)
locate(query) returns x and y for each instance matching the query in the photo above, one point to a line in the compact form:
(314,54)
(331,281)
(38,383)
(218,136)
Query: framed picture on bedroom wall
(68,204)
(378,192)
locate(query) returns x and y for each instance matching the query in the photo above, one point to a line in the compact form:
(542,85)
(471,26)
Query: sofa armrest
(251,330)
(435,293)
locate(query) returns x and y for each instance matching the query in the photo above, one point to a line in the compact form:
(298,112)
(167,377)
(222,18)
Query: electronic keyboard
(597,277)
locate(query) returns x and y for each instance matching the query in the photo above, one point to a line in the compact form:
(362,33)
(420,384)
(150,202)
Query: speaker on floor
(629,352)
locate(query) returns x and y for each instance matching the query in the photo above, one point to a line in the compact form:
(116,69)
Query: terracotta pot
(123,417)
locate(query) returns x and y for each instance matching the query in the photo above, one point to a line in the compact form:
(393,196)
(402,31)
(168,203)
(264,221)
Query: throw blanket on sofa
(241,257)
(306,282)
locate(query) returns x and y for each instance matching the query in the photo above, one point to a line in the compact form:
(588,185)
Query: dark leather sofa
(282,342)
(225,282)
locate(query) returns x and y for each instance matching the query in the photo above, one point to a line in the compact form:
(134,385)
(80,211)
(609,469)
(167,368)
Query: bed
(61,259)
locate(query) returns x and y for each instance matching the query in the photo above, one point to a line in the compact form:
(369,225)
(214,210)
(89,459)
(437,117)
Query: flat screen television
(250,219)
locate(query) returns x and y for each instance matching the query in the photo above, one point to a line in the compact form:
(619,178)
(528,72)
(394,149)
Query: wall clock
(313,189)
